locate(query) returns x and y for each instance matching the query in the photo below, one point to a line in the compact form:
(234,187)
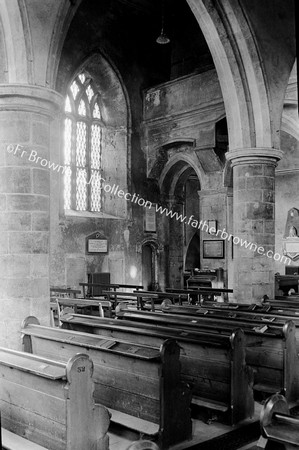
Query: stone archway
(248,95)
(180,182)
(253,87)
(150,250)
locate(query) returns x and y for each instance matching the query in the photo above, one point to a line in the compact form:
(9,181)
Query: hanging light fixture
(162,38)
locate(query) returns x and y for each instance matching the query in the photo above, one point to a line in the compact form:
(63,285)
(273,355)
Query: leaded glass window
(83,146)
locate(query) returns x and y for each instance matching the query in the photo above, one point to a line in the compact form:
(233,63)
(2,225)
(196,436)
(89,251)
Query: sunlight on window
(82,147)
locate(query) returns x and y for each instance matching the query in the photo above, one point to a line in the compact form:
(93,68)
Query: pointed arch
(96,147)
(240,70)
(64,18)
(14,42)
(174,169)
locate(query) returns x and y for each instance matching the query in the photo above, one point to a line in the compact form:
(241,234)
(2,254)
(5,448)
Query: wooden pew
(213,364)
(141,385)
(58,306)
(267,315)
(288,303)
(161,296)
(51,403)
(270,350)
(139,298)
(269,307)
(293,297)
(265,308)
(143,445)
(273,306)
(88,287)
(277,425)
(136,287)
(64,292)
(198,294)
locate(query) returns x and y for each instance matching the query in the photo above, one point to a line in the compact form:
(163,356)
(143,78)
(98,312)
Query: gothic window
(83,129)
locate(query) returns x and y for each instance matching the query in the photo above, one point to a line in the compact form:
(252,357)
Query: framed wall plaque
(150,223)
(213,249)
(96,243)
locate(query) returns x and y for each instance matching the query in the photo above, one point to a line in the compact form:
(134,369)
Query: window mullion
(74,165)
(88,165)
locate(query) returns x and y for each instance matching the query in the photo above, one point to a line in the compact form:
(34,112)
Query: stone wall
(179,136)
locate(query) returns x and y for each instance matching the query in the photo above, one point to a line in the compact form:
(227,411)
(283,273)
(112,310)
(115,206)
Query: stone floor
(214,436)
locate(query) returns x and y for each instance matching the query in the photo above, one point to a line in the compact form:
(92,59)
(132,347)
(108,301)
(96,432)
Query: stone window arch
(83,146)
(96,143)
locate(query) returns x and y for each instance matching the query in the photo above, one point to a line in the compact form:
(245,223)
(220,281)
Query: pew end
(143,445)
(50,403)
(277,425)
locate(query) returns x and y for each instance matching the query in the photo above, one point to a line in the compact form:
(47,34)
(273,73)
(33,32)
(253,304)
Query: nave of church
(149,218)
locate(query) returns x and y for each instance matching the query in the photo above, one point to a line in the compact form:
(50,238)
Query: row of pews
(125,294)
(150,369)
(267,362)
(269,337)
(53,393)
(140,384)
(212,365)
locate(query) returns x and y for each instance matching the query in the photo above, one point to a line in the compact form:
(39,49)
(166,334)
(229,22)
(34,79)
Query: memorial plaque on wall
(290,241)
(213,249)
(96,243)
(150,223)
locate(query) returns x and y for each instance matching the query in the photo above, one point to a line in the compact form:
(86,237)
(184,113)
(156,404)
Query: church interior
(149,245)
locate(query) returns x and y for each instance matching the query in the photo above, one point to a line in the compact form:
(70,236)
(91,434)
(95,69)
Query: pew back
(271,350)
(213,364)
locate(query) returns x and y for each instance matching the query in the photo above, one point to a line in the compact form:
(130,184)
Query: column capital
(262,155)
(34,99)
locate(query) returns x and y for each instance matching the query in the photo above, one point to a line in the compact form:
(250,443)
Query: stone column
(253,219)
(26,133)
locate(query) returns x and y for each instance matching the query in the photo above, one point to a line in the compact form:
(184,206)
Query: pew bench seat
(144,427)
(11,441)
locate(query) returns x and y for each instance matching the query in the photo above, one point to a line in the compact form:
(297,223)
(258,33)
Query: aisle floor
(204,436)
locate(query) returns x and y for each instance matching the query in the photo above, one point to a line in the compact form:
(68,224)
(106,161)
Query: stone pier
(253,220)
(26,115)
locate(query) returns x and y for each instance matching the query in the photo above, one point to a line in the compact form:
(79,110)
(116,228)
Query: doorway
(147,267)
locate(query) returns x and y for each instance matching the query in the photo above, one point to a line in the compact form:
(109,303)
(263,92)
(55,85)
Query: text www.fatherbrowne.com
(18,150)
